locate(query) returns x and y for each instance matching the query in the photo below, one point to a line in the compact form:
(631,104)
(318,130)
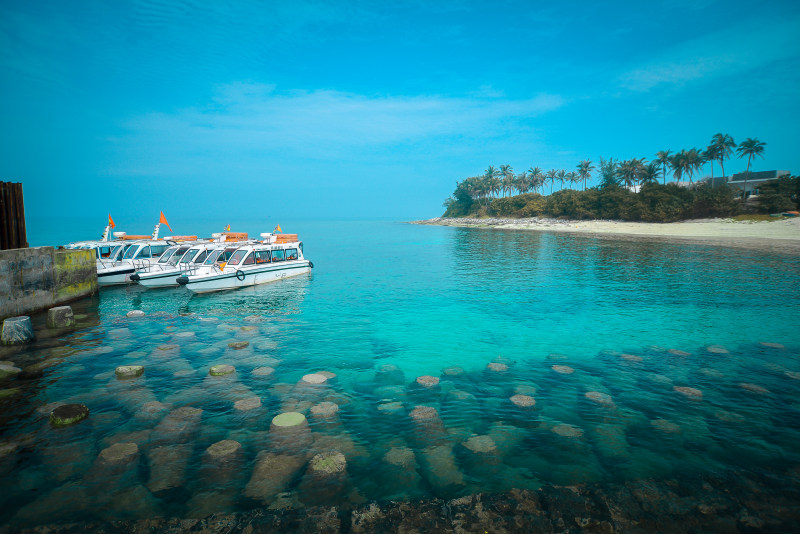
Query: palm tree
(507,178)
(521,182)
(551,175)
(664,158)
(678,164)
(573,178)
(750,147)
(626,172)
(693,162)
(650,172)
(585,169)
(491,182)
(562,175)
(723,146)
(536,177)
(710,155)
(608,173)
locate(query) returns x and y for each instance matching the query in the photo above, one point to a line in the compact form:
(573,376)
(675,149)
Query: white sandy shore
(778,235)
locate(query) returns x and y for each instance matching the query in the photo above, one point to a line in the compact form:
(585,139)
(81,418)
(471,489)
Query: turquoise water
(631,322)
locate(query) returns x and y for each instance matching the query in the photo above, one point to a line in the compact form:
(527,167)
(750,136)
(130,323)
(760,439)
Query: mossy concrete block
(17,330)
(60,317)
(68,414)
(9,371)
(327,463)
(222,370)
(119,453)
(271,475)
(289,419)
(129,371)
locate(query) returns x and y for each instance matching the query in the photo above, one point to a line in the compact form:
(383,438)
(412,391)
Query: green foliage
(780,195)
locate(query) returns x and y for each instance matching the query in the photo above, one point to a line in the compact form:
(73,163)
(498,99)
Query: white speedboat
(118,267)
(171,264)
(248,264)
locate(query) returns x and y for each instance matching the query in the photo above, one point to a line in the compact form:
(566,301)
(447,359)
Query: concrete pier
(36,279)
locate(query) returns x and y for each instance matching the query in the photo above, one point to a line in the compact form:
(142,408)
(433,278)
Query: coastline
(779,235)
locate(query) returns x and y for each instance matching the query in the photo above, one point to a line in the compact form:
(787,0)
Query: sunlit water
(631,323)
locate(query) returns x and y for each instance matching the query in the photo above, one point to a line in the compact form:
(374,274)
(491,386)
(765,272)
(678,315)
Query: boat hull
(246,277)
(159,279)
(114,276)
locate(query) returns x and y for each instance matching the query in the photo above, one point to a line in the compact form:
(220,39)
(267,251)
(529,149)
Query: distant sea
(633,321)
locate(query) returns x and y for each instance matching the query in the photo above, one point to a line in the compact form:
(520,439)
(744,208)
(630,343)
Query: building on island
(753,180)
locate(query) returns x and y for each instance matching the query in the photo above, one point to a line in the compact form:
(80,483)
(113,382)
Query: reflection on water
(503,360)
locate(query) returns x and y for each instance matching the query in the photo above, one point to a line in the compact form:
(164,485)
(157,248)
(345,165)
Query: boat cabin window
(202,256)
(144,253)
(277,255)
(250,259)
(227,254)
(212,257)
(167,255)
(189,256)
(262,256)
(291,254)
(129,252)
(104,252)
(115,252)
(237,257)
(178,254)
(158,250)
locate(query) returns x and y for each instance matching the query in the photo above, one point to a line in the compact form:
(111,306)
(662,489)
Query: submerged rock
(250,403)
(9,371)
(563,369)
(129,371)
(568,431)
(717,349)
(665,426)
(168,466)
(17,331)
(523,401)
(238,345)
(692,393)
(772,345)
(599,397)
(221,370)
(135,313)
(271,475)
(68,414)
(60,317)
(754,388)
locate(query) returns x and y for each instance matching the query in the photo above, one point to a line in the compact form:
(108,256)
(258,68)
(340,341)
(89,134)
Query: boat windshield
(237,257)
(130,252)
(167,255)
(212,257)
(115,252)
(189,256)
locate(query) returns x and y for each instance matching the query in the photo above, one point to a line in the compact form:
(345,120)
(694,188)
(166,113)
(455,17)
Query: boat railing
(188,268)
(141,265)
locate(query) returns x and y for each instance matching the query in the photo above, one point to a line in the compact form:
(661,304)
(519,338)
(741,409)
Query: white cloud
(253,121)
(725,53)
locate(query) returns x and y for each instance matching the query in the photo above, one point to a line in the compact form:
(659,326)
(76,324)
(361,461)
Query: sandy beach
(779,235)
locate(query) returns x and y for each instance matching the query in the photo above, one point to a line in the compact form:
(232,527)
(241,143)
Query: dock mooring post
(12,217)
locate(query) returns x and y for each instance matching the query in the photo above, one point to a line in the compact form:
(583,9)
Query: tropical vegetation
(627,190)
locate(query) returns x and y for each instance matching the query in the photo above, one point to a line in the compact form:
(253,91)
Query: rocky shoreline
(734,502)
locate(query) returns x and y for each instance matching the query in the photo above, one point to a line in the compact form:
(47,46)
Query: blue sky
(371,109)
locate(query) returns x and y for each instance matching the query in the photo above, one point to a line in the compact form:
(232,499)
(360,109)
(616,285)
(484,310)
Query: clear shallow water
(421,299)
